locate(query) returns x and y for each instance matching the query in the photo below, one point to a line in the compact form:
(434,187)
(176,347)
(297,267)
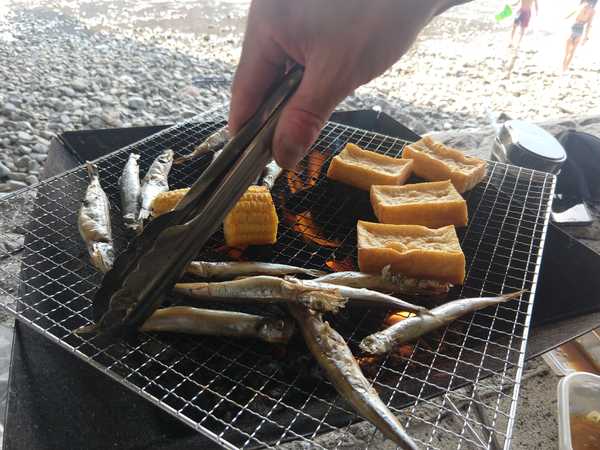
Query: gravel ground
(81,65)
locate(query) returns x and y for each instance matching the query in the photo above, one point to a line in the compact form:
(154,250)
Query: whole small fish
(155,182)
(210,322)
(400,285)
(265,289)
(218,138)
(270,175)
(231,270)
(333,355)
(93,222)
(322,296)
(129,183)
(416,326)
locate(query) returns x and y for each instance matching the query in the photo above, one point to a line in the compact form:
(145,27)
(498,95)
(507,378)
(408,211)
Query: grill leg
(490,436)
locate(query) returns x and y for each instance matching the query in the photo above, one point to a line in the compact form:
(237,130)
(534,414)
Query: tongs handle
(141,276)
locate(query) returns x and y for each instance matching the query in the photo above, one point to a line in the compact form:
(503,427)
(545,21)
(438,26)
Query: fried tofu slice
(412,250)
(363,168)
(436,162)
(435,204)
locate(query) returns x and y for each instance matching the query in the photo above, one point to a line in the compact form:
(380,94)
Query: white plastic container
(578,394)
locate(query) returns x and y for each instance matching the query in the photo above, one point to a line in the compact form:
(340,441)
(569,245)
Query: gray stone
(79,84)
(40,148)
(4,187)
(136,103)
(39,157)
(46,134)
(67,91)
(24,150)
(8,109)
(31,179)
(18,176)
(107,100)
(20,125)
(23,162)
(24,136)
(13,242)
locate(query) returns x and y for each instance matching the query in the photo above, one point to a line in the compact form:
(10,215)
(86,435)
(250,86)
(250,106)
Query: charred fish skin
(129,184)
(230,270)
(270,175)
(155,182)
(333,355)
(414,327)
(265,289)
(216,139)
(189,320)
(93,222)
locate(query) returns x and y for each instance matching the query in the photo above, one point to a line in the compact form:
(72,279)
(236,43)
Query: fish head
(166,157)
(277,331)
(102,256)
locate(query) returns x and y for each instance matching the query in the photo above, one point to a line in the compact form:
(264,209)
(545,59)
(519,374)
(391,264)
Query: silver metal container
(527,145)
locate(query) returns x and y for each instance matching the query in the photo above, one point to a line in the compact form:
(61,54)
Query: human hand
(341,43)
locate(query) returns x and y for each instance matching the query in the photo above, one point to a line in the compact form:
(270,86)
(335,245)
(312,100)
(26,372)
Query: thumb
(302,119)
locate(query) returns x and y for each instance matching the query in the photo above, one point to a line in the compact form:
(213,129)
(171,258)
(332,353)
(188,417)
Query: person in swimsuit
(522,20)
(580,29)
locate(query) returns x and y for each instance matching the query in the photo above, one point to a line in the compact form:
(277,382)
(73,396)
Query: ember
(314,166)
(341,265)
(305,225)
(314,163)
(394,318)
(235,253)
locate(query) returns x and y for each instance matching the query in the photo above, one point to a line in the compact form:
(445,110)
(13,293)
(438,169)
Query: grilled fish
(270,175)
(367,297)
(332,353)
(93,222)
(218,138)
(155,182)
(231,270)
(129,182)
(184,319)
(416,326)
(398,285)
(266,289)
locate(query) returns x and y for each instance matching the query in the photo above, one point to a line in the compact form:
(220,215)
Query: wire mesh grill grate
(246,395)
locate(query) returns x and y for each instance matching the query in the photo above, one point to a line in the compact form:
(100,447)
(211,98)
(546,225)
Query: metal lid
(535,141)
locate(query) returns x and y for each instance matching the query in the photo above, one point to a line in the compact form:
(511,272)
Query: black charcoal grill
(249,395)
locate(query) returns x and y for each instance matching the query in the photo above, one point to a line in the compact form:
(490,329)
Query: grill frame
(110,166)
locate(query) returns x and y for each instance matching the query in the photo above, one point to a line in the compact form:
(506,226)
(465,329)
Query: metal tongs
(153,262)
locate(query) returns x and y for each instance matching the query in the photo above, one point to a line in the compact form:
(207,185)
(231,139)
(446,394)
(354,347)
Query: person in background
(522,20)
(584,16)
(342,44)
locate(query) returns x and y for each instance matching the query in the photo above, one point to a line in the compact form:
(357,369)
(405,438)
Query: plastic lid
(578,393)
(535,140)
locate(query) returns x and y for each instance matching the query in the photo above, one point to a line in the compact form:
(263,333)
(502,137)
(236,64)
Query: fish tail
(92,170)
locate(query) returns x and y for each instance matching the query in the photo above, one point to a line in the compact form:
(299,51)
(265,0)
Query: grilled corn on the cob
(253,220)
(167,201)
